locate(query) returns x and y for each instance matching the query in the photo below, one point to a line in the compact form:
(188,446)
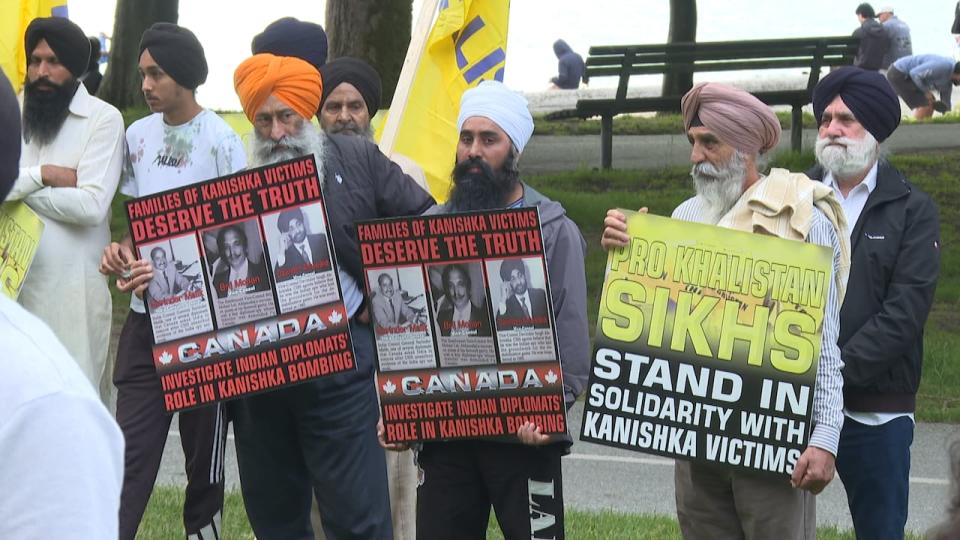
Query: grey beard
(850,160)
(310,140)
(352,129)
(719,187)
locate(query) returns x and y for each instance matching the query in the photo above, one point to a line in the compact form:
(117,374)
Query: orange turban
(294,82)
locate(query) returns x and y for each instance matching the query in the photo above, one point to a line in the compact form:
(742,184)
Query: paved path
(551,153)
(599,477)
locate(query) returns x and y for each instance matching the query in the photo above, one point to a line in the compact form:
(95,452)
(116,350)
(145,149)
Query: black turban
(9,137)
(178,52)
(356,72)
(508,266)
(283,221)
(867,94)
(292,37)
(66,39)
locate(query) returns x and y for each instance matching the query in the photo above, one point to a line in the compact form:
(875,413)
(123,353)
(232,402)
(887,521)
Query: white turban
(506,108)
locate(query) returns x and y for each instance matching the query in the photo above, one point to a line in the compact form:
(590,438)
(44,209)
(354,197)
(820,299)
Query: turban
(735,116)
(506,108)
(509,265)
(291,37)
(9,137)
(178,52)
(292,80)
(283,221)
(356,72)
(64,37)
(867,94)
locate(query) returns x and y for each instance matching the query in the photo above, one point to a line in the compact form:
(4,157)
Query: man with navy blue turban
(289,36)
(520,477)
(894,265)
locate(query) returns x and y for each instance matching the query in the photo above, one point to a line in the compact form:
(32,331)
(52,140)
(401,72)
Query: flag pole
(418,43)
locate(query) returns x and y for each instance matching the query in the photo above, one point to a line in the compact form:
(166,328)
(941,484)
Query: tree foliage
(121,82)
(376,31)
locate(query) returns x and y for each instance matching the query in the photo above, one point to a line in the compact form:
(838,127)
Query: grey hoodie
(564,249)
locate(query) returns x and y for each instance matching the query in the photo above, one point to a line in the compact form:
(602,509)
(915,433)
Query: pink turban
(736,117)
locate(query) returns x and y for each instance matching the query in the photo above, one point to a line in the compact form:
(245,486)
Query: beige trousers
(719,503)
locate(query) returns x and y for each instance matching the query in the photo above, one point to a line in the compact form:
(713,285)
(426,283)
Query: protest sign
(463,321)
(707,345)
(20,230)
(245,296)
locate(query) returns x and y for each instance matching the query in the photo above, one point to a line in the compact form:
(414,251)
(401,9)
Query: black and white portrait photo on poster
(176,296)
(398,309)
(460,299)
(300,252)
(521,309)
(461,314)
(238,272)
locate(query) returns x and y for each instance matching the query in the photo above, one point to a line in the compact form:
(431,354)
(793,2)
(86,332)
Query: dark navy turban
(356,72)
(867,94)
(292,37)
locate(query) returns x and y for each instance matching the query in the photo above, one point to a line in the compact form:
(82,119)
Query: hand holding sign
(615,229)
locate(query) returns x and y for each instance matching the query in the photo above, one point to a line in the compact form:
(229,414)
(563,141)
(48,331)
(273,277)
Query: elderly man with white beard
(319,436)
(730,132)
(895,262)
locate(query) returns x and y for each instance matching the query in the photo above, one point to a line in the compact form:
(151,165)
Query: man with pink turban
(731,133)
(319,436)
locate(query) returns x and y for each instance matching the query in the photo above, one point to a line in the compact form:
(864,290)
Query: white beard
(719,187)
(310,140)
(849,160)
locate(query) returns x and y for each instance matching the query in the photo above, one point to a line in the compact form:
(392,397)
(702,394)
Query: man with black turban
(179,144)
(730,131)
(69,169)
(895,237)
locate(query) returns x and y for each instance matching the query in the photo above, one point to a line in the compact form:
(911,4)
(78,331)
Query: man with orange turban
(730,132)
(320,435)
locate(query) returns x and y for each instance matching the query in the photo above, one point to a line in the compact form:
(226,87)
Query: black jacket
(894,265)
(361,183)
(874,43)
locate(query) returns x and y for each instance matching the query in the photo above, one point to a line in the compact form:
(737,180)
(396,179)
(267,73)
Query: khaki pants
(718,503)
(402,479)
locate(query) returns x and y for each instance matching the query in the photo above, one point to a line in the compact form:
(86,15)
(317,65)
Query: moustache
(464,168)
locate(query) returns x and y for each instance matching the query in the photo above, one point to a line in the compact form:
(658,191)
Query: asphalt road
(550,153)
(599,477)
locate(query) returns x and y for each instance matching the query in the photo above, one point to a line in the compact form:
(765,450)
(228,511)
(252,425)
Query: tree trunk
(376,31)
(683,28)
(121,82)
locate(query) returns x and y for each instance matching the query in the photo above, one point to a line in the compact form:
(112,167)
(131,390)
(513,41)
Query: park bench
(623,61)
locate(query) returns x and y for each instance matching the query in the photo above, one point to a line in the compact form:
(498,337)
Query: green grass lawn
(672,124)
(162,521)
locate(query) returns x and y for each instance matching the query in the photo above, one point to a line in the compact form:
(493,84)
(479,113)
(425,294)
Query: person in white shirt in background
(62,452)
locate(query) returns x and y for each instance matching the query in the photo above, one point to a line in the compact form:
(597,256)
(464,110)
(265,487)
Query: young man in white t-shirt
(180,144)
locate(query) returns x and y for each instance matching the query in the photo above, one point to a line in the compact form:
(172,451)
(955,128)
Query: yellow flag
(467,44)
(15,15)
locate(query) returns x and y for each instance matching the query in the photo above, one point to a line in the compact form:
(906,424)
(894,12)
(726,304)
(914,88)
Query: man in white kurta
(69,177)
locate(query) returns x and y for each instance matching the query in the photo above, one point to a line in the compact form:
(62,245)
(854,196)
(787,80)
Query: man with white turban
(319,436)
(520,478)
(730,131)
